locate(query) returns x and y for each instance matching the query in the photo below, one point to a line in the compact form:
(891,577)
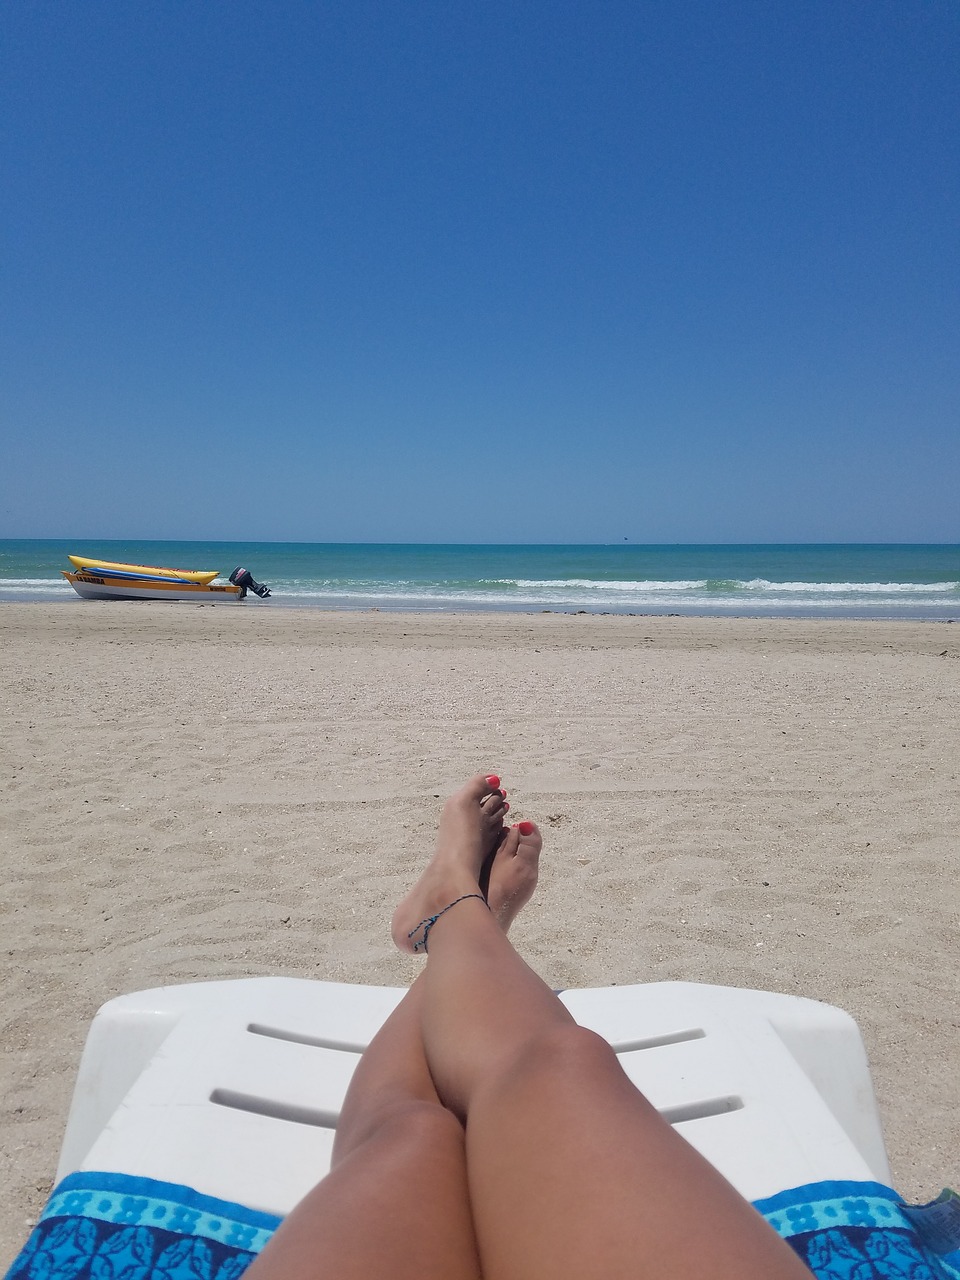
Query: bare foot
(471,827)
(513,874)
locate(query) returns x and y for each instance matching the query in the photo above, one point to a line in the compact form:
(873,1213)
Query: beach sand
(200,792)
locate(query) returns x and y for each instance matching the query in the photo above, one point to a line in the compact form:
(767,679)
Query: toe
(510,843)
(494,804)
(480,786)
(529,835)
(473,792)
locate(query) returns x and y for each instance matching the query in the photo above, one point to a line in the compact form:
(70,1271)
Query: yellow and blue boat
(111,580)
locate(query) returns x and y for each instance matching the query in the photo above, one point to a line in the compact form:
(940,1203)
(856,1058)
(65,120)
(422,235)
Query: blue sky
(504,272)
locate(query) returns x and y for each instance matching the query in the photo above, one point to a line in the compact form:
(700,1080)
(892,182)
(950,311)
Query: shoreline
(206,793)
(282,605)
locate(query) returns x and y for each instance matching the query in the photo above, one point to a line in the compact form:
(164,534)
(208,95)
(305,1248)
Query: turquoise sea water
(803,580)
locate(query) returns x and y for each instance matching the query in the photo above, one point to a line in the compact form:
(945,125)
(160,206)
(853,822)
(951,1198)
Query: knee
(417,1121)
(403,1124)
(568,1058)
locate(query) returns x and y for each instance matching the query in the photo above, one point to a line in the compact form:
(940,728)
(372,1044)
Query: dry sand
(197,792)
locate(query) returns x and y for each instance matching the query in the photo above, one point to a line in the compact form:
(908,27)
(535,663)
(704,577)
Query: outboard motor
(244,579)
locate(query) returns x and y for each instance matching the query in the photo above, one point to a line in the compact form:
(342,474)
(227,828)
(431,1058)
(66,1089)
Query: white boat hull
(92,587)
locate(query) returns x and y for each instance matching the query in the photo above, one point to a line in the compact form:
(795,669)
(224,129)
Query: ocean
(910,581)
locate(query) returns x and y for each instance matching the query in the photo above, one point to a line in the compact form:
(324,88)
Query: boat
(85,564)
(94,584)
(109,580)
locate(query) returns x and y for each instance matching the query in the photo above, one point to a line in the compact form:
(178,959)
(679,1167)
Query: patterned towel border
(854,1229)
(99,1225)
(110,1224)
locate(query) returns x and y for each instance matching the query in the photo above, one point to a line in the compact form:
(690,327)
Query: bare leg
(572,1172)
(395,1202)
(396,1206)
(393,1071)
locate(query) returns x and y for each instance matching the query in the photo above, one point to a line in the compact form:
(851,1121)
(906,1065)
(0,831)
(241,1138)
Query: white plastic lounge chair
(234,1088)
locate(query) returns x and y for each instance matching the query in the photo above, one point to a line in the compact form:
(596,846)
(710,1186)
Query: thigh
(396,1206)
(573,1174)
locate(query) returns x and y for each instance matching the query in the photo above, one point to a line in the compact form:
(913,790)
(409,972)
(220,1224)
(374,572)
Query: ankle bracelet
(427,924)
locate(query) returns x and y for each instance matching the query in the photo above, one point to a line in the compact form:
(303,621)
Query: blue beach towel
(100,1226)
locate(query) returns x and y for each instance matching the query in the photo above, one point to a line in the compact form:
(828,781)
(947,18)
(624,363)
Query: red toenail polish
(503,793)
(506,807)
(525,828)
(493,780)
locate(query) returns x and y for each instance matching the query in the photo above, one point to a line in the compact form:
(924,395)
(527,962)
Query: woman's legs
(395,1202)
(568,1170)
(393,1071)
(571,1171)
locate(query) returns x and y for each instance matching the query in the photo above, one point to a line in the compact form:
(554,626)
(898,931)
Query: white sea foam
(854,588)
(598,584)
(731,585)
(687,596)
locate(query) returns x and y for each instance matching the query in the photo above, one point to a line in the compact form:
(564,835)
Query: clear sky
(519,270)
